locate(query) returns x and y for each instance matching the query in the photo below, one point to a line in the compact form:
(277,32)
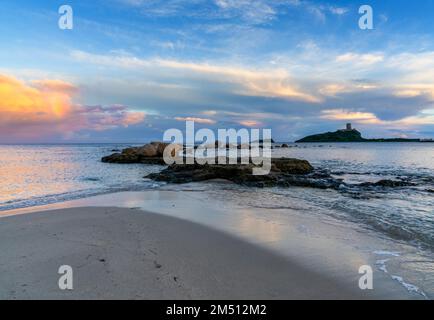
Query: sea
(36,175)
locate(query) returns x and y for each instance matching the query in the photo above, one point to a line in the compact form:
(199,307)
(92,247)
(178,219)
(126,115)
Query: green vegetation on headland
(351,135)
(338,136)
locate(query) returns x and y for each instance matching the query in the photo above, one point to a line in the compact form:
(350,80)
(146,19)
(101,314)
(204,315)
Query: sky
(131,69)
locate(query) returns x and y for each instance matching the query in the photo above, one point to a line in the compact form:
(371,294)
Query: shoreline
(316,246)
(131,254)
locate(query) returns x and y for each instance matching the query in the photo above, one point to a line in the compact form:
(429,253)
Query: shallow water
(42,174)
(404,213)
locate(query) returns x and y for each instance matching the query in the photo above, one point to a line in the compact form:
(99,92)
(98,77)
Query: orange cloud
(55,86)
(250,123)
(339,114)
(20,104)
(45,108)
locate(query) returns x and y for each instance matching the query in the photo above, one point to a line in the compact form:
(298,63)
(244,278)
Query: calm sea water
(33,175)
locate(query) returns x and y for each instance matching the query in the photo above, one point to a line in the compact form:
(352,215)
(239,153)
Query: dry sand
(131,254)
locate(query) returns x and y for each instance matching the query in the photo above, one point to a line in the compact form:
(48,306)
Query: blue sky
(131,69)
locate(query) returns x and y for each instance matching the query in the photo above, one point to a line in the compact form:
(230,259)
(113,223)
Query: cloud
(345,115)
(209,112)
(46,109)
(102,118)
(195,119)
(250,123)
(317,12)
(422,118)
(377,88)
(253,11)
(338,10)
(245,81)
(320,11)
(55,86)
(360,59)
(249,12)
(337,89)
(20,103)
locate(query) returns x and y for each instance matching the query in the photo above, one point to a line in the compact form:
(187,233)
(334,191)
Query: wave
(73,195)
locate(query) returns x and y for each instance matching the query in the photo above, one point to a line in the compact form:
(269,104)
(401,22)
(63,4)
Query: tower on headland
(348,128)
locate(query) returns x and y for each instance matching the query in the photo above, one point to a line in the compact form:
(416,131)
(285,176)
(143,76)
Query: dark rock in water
(285,145)
(148,154)
(153,152)
(284,172)
(291,166)
(227,146)
(430,190)
(387,184)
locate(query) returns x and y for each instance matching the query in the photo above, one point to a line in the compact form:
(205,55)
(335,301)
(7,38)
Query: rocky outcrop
(291,166)
(284,172)
(148,154)
(153,152)
(349,136)
(338,136)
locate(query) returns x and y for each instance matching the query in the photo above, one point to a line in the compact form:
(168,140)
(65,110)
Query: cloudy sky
(130,69)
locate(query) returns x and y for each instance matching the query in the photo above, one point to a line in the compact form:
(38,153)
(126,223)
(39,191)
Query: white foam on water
(387,253)
(410,287)
(382,265)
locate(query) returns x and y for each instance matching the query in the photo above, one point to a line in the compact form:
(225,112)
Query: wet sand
(133,254)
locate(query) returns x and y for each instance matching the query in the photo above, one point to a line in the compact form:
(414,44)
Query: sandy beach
(132,254)
(216,150)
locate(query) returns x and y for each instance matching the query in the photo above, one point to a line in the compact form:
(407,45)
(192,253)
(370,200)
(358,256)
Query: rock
(121,158)
(283,172)
(387,184)
(149,154)
(149,150)
(291,166)
(285,145)
(160,146)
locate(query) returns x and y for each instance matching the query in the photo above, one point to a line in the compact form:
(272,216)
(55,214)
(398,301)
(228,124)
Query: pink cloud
(250,123)
(46,109)
(198,120)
